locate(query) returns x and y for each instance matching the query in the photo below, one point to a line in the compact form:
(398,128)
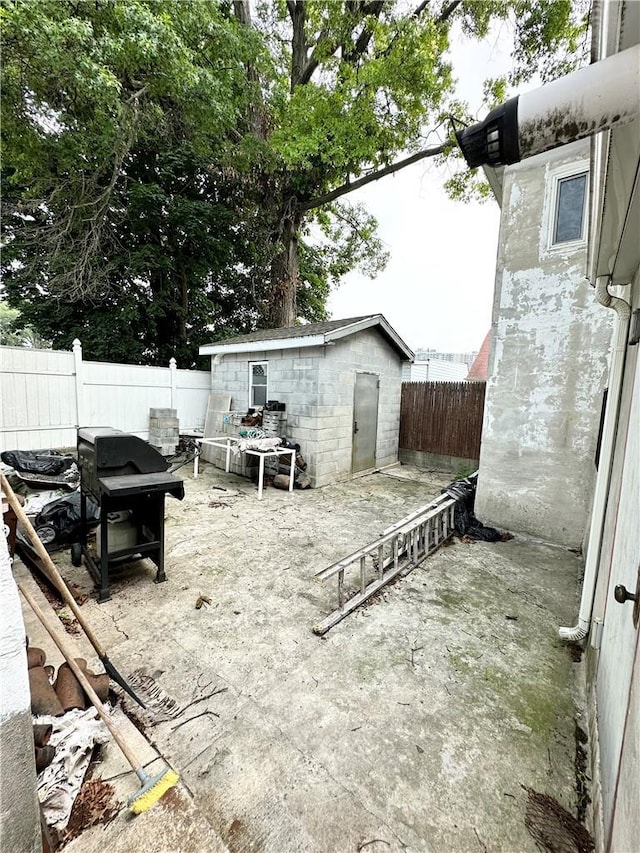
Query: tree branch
(448,11)
(374,8)
(368,179)
(363,40)
(299,60)
(314,61)
(420,9)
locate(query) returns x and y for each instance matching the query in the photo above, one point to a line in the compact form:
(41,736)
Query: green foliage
(14,333)
(164,161)
(549,36)
(180,276)
(83,84)
(123,223)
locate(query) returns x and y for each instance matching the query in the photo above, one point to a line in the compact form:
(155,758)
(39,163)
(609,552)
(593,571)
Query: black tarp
(46,462)
(465,522)
(61,519)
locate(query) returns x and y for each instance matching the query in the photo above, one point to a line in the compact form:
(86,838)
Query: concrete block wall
(292,379)
(365,351)
(547,368)
(317,386)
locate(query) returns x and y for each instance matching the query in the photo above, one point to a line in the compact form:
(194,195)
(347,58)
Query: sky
(437,288)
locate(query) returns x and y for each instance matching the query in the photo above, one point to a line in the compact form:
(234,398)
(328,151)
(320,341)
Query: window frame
(252,364)
(556,178)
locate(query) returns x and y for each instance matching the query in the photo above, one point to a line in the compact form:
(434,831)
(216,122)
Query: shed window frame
(253,386)
(558,178)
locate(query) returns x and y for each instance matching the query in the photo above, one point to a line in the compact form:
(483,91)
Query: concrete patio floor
(412,725)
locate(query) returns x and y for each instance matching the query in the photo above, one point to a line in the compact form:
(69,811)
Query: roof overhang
(304,341)
(264,345)
(495,178)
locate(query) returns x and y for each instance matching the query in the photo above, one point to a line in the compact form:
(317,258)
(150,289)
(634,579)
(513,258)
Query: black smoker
(123,474)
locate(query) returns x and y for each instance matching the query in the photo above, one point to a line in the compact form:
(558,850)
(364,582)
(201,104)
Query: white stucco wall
(547,369)
(19,813)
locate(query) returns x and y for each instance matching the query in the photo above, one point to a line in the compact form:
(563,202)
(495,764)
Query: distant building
(480,367)
(434,370)
(455,357)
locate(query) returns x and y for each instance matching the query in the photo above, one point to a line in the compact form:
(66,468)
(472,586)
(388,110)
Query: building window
(569,213)
(258,372)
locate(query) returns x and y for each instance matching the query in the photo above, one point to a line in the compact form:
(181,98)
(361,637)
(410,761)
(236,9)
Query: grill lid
(110,452)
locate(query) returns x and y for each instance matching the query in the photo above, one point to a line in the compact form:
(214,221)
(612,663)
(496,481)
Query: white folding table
(225,442)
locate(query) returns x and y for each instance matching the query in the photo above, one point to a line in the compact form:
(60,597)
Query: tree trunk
(184,298)
(281,309)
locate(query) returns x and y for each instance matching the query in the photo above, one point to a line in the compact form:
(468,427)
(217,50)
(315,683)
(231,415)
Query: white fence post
(50,393)
(173,378)
(78,369)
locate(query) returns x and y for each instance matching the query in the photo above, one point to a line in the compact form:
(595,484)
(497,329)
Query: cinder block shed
(340,381)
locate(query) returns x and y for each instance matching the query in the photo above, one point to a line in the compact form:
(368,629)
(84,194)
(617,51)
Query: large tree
(122,224)
(178,169)
(357,88)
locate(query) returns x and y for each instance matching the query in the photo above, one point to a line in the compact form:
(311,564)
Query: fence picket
(442,417)
(46,394)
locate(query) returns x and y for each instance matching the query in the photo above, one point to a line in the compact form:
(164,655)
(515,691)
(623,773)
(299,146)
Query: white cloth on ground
(74,736)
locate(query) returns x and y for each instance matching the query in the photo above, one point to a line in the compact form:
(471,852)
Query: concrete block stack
(164,429)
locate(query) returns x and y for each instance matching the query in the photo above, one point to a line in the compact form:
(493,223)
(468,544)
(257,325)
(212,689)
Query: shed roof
(309,335)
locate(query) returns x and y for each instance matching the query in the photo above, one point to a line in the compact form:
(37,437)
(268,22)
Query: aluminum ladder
(396,552)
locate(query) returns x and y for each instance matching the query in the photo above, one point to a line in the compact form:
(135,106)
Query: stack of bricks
(164,430)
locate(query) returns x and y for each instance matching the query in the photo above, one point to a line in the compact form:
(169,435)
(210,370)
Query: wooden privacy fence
(442,417)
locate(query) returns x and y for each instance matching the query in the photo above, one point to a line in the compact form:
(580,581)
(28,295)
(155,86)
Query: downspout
(603,478)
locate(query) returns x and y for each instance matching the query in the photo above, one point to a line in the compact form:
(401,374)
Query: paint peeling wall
(548,365)
(19,814)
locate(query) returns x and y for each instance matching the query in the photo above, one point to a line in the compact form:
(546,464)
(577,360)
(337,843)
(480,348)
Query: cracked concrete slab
(411,725)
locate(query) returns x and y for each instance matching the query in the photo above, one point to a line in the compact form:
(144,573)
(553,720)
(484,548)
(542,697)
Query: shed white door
(620,635)
(365,422)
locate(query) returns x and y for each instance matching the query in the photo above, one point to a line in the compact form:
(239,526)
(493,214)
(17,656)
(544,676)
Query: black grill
(123,474)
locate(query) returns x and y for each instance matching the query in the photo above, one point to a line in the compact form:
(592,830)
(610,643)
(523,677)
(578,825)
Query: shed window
(568,224)
(258,373)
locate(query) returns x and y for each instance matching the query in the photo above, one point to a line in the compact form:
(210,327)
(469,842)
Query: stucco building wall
(548,365)
(19,810)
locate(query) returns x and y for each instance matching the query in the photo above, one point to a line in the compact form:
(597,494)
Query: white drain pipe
(592,99)
(603,478)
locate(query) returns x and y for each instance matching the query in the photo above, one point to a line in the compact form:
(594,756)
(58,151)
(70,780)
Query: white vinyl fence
(46,394)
